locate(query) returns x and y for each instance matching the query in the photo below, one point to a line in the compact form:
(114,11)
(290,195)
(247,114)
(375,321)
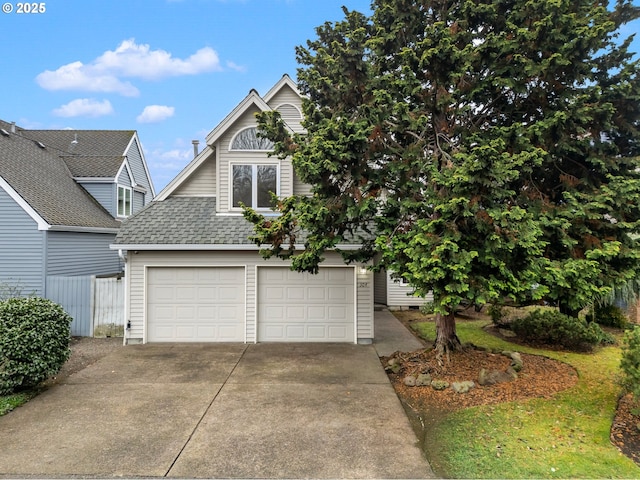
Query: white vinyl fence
(95,303)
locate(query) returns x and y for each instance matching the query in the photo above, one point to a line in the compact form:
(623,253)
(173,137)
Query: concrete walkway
(221,411)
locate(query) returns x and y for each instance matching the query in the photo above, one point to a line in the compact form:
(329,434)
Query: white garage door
(302,307)
(194,304)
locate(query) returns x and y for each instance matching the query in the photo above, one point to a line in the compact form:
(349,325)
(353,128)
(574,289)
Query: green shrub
(497,313)
(630,362)
(427,308)
(610,316)
(550,327)
(34,342)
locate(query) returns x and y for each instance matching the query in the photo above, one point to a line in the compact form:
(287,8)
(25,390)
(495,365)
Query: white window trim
(254,183)
(231,149)
(130,212)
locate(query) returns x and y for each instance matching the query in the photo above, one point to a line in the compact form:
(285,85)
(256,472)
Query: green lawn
(566,436)
(9,402)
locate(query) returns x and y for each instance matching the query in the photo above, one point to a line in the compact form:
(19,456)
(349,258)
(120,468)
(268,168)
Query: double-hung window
(124,201)
(253,184)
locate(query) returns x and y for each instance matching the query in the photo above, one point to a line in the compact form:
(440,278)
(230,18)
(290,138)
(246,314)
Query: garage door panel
(337,294)
(195,304)
(295,306)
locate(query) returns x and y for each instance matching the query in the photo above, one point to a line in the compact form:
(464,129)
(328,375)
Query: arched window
(248,139)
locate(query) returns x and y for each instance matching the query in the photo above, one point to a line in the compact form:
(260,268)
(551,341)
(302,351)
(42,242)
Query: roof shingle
(45,182)
(184,221)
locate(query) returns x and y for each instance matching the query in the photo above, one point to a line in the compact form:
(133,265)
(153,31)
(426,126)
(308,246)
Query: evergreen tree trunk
(446,338)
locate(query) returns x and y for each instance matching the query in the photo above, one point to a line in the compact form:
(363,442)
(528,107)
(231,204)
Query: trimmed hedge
(34,342)
(550,327)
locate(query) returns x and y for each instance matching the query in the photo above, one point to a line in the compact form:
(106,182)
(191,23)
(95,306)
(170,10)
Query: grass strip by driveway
(11,402)
(566,436)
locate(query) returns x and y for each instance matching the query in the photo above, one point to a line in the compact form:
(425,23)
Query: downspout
(127,323)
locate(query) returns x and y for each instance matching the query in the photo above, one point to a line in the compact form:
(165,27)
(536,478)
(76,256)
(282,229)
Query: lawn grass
(566,436)
(10,402)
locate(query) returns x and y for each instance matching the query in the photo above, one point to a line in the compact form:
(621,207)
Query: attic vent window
(4,132)
(248,139)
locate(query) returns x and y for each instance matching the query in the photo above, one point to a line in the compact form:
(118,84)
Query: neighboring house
(63,194)
(396,293)
(193,274)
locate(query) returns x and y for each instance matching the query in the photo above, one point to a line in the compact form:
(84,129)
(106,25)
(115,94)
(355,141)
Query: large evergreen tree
(478,148)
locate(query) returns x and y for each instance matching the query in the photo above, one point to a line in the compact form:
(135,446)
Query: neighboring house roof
(41,182)
(95,154)
(93,166)
(83,142)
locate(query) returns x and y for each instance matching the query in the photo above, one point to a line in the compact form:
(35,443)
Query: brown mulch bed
(540,377)
(625,431)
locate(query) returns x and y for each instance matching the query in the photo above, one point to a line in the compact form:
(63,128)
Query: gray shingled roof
(83,142)
(88,153)
(93,166)
(187,221)
(44,181)
(184,221)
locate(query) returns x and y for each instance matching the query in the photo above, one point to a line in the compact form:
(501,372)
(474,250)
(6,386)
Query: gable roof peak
(285,80)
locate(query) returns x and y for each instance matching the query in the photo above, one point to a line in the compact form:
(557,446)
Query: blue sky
(170,69)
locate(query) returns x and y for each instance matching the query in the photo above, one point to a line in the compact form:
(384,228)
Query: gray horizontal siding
(137,169)
(73,253)
(21,249)
(401,295)
(104,193)
(124,180)
(138,201)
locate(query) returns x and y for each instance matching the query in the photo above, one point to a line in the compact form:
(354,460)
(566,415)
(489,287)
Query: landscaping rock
(493,377)
(394,365)
(516,360)
(507,333)
(439,384)
(462,387)
(410,381)
(423,380)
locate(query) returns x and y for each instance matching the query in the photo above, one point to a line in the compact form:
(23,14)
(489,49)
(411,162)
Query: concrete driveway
(218,411)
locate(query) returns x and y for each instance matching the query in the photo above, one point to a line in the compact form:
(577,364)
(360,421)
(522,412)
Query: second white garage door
(195,304)
(302,307)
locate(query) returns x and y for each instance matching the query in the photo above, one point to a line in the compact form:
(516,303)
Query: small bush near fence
(549,327)
(34,342)
(630,362)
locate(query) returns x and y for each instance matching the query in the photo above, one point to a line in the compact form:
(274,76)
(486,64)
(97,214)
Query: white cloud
(128,60)
(84,107)
(77,76)
(236,67)
(155,113)
(133,60)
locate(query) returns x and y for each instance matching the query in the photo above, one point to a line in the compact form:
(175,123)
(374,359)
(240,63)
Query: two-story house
(194,275)
(63,196)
